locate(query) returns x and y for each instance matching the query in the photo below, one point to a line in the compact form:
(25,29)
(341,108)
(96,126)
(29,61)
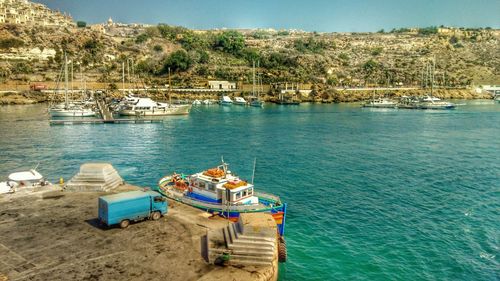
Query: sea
(373,194)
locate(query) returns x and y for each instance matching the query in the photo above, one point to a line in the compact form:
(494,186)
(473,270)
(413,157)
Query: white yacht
(226,100)
(149,107)
(240,101)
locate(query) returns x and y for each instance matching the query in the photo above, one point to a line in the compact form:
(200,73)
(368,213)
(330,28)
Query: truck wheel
(282,251)
(155,216)
(124,223)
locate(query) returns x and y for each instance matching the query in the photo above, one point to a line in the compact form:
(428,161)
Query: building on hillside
(221,85)
(28,13)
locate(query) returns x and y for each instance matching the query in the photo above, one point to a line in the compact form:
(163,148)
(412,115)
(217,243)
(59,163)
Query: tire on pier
(281,250)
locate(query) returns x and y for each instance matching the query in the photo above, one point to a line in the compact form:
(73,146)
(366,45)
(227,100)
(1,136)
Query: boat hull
(180,110)
(268,205)
(65,113)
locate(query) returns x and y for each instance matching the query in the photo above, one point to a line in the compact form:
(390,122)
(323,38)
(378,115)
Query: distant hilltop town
(29,13)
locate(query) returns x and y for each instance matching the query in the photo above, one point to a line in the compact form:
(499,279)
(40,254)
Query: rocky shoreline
(330,95)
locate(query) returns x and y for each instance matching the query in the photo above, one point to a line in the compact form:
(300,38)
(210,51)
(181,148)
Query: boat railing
(267,196)
(207,205)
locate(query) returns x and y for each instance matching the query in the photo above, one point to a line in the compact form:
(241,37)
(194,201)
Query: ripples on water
(373,194)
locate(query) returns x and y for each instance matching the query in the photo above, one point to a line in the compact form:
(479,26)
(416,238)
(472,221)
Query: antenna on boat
(253,172)
(36,167)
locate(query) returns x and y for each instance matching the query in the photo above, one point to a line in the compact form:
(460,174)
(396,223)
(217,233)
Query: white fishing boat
(149,107)
(27,180)
(226,100)
(196,102)
(68,109)
(240,101)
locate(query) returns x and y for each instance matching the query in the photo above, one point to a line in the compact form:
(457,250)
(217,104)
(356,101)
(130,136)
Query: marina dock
(103,121)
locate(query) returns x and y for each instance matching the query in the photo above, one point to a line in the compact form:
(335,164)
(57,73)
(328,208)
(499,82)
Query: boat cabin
(220,186)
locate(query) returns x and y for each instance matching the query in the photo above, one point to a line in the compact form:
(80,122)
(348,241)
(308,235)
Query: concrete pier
(250,241)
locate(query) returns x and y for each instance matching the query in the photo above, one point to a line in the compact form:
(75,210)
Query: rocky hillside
(461,56)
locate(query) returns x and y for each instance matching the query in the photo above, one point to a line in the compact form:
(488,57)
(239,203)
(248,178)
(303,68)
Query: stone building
(29,13)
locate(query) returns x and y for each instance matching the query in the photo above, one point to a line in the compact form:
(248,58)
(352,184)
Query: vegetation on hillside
(352,60)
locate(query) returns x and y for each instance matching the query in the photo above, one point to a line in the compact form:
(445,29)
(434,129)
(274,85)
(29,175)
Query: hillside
(462,56)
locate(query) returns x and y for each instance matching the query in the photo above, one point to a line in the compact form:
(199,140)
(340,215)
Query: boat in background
(380,103)
(67,109)
(149,107)
(221,192)
(196,102)
(239,101)
(254,100)
(226,100)
(497,97)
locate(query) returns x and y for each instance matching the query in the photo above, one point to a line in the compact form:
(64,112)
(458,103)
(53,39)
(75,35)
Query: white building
(221,85)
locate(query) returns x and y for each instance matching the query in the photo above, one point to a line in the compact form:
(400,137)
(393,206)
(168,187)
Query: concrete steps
(243,249)
(95,177)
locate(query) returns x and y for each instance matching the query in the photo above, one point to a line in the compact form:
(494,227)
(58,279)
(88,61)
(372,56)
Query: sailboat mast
(169,88)
(65,81)
(432,75)
(253,78)
(123,77)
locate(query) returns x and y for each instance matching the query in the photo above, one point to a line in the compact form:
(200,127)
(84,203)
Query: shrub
(158,48)
(428,30)
(141,38)
(11,43)
(81,24)
(376,51)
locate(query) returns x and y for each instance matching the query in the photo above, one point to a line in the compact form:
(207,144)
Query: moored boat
(149,107)
(220,192)
(380,103)
(226,100)
(239,101)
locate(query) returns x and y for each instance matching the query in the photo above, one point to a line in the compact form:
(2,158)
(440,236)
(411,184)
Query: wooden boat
(220,192)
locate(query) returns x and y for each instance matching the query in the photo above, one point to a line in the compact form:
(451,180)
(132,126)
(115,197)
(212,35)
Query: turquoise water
(373,194)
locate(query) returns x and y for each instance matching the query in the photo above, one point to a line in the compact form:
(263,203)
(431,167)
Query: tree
(81,24)
(230,41)
(177,61)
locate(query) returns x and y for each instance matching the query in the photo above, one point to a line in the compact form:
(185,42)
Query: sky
(308,15)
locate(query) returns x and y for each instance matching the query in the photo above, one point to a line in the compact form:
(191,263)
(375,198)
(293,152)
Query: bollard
(61,181)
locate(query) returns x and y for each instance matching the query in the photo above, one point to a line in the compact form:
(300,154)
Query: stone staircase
(95,177)
(243,249)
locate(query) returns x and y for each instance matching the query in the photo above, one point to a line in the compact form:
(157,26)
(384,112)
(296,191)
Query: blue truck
(122,208)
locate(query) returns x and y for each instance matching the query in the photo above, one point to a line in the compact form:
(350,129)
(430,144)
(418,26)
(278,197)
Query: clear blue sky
(310,15)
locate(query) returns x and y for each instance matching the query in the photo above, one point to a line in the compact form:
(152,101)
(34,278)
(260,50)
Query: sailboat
(255,100)
(68,109)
